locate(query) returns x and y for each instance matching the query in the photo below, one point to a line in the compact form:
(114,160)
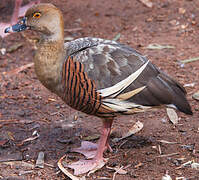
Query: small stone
(3,51)
(40,160)
(196,96)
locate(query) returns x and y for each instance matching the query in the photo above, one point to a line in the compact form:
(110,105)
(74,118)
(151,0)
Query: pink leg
(84,166)
(103,142)
(89,149)
(15,14)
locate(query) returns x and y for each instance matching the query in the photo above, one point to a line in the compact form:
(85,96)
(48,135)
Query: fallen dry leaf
(119,170)
(181,10)
(185,164)
(51,99)
(10,135)
(65,171)
(147,3)
(173,117)
(98,167)
(184,26)
(174,22)
(136,128)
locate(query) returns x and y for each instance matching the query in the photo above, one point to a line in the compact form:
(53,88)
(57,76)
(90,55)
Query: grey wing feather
(108,63)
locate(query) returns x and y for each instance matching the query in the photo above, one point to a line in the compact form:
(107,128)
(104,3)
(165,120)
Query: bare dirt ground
(27,107)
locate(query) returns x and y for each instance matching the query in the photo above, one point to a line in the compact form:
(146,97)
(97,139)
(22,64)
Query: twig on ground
(117,172)
(189,60)
(167,142)
(167,155)
(18,70)
(73,29)
(159,148)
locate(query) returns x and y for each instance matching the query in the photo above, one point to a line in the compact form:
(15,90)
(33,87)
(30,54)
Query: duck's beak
(20,26)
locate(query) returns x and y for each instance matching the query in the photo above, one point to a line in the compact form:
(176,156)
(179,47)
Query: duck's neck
(48,63)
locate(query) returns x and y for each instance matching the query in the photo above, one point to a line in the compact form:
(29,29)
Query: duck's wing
(123,77)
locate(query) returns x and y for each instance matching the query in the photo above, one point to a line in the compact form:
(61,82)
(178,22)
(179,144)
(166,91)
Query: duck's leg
(89,149)
(15,14)
(18,12)
(23,9)
(97,162)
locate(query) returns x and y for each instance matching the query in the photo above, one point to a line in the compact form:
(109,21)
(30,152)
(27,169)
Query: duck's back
(121,77)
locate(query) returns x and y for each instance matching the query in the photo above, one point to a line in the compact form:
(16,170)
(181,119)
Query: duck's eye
(37,15)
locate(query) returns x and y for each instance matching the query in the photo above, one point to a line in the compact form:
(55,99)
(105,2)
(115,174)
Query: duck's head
(44,18)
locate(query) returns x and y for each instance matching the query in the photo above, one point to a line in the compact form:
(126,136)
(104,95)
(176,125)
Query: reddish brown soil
(26,106)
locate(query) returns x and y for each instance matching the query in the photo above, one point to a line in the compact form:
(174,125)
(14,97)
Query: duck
(18,12)
(99,77)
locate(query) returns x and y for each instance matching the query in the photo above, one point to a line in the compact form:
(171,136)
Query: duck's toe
(88,149)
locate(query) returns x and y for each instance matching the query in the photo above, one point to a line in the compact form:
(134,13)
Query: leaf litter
(67,173)
(173,117)
(147,3)
(136,128)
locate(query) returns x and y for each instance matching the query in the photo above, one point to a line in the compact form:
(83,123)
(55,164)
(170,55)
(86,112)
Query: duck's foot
(88,149)
(85,166)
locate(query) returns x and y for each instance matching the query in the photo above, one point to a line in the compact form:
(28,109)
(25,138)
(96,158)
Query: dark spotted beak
(20,26)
